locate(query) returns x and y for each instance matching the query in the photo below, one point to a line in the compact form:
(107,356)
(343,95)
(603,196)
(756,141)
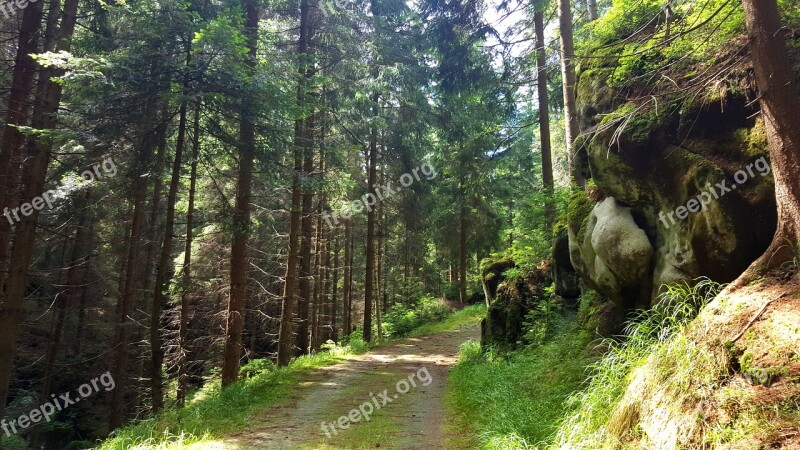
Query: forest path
(414,419)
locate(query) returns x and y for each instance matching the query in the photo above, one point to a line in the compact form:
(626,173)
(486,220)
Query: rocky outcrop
(492,271)
(504,325)
(686,192)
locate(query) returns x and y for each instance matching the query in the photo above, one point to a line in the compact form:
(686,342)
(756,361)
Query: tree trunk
(347,282)
(290,280)
(369,279)
(568,82)
(591,6)
(164,269)
(307,230)
(183,327)
(241,217)
(544,117)
(462,253)
(13,140)
(316,312)
(25,234)
(780,110)
(335,293)
(307,225)
(125,306)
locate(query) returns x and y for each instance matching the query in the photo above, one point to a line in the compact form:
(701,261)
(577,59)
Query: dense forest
(319,224)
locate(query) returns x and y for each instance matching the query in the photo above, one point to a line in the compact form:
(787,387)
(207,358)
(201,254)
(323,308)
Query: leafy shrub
(256,367)
(356,343)
(540,322)
(400,319)
(451,291)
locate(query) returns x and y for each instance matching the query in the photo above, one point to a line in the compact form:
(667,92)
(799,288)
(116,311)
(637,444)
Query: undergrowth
(555,394)
(586,425)
(400,319)
(515,400)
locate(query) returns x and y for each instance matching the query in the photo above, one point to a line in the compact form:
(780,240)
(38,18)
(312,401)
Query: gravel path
(373,381)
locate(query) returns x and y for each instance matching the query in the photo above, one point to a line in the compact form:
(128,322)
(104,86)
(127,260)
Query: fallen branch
(753,320)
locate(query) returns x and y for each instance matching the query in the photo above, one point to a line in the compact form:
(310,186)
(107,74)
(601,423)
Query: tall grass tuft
(586,427)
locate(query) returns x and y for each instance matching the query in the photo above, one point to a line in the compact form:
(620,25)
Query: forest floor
(407,420)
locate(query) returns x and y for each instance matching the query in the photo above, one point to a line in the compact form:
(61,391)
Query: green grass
(654,332)
(556,395)
(466,316)
(516,400)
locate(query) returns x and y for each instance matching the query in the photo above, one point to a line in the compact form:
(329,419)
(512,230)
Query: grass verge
(515,400)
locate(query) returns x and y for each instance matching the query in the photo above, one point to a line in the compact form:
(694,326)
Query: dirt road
(376,381)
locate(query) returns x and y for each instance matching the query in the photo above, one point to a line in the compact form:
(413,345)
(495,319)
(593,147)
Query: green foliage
(466,316)
(356,343)
(541,321)
(516,400)
(256,367)
(533,233)
(13,443)
(400,320)
(649,332)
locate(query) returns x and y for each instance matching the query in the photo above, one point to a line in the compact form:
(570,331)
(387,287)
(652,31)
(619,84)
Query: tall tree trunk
(241,218)
(372,169)
(307,230)
(13,140)
(128,291)
(326,291)
(285,351)
(335,293)
(316,297)
(544,117)
(591,6)
(462,254)
(164,268)
(568,81)
(347,282)
(780,110)
(381,243)
(183,327)
(39,150)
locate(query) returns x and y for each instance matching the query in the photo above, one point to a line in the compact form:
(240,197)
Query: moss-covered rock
(504,325)
(655,160)
(492,270)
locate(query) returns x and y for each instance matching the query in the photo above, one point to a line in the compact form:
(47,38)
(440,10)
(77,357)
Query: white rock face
(615,253)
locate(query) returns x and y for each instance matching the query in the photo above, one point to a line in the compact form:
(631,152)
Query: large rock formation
(679,192)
